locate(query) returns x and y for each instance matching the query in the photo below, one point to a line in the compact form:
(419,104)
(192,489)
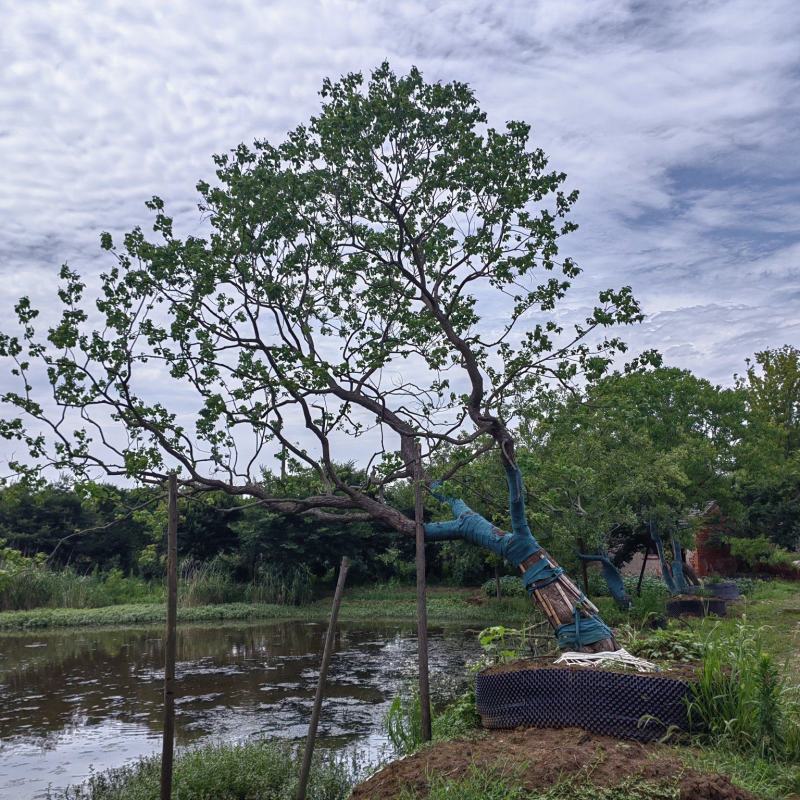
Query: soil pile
(538,758)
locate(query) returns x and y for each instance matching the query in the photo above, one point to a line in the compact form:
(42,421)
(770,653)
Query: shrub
(510,586)
(759,551)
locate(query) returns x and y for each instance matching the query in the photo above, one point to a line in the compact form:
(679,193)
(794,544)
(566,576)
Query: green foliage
(649,443)
(760,551)
(382,602)
(743,700)
(501,644)
(668,644)
(402,568)
(457,718)
(256,770)
(510,586)
(767,779)
(645,608)
(746,585)
(403,722)
(451,719)
(206,583)
(28,583)
(463,564)
(768,469)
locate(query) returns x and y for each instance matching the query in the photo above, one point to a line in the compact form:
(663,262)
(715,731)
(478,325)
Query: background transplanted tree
(390,271)
(633,453)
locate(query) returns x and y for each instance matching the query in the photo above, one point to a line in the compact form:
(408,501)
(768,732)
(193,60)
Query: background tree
(768,475)
(633,449)
(364,279)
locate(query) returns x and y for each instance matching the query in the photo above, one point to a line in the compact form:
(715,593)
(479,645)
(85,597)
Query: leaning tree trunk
(612,577)
(574,618)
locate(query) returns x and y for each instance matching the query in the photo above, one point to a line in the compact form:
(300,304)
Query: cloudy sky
(679,122)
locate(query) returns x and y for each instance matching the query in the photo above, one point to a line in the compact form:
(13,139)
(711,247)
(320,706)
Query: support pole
(168,741)
(641,571)
(422,607)
(327,652)
(584,568)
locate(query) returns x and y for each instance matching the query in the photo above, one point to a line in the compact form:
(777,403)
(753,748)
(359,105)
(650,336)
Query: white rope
(619,657)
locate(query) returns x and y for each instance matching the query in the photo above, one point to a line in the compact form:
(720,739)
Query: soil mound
(539,758)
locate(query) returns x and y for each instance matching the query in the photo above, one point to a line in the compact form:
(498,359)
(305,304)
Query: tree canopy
(390,271)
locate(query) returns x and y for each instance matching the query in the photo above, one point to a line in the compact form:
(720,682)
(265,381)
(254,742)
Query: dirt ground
(538,758)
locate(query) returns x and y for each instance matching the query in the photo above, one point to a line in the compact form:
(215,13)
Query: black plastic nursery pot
(724,590)
(625,705)
(696,607)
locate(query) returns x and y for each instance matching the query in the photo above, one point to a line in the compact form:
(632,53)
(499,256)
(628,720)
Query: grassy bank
(367,604)
(257,770)
(29,583)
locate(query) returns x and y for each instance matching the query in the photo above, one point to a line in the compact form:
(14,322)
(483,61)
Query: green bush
(260,770)
(510,586)
(27,583)
(760,550)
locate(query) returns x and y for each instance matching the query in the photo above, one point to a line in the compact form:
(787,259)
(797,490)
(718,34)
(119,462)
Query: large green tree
(390,272)
(768,475)
(633,450)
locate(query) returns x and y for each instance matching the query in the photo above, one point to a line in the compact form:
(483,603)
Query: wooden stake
(557,584)
(327,651)
(545,603)
(168,741)
(422,606)
(584,568)
(641,571)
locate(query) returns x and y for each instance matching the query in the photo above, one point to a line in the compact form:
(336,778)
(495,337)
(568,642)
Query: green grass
(383,603)
(504,784)
(29,584)
(257,770)
(765,779)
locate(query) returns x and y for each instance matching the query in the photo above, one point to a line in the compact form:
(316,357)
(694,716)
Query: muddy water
(75,701)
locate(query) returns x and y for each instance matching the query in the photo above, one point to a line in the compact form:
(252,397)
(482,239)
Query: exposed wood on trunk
(557,601)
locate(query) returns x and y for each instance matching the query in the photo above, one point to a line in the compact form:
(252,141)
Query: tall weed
(743,700)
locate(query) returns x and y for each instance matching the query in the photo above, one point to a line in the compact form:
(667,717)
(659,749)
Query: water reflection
(71,700)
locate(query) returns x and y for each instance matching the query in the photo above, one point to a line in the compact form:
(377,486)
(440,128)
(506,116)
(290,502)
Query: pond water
(74,701)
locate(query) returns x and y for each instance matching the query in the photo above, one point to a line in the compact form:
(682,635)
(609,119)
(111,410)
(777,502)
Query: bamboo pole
(422,607)
(168,740)
(327,651)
